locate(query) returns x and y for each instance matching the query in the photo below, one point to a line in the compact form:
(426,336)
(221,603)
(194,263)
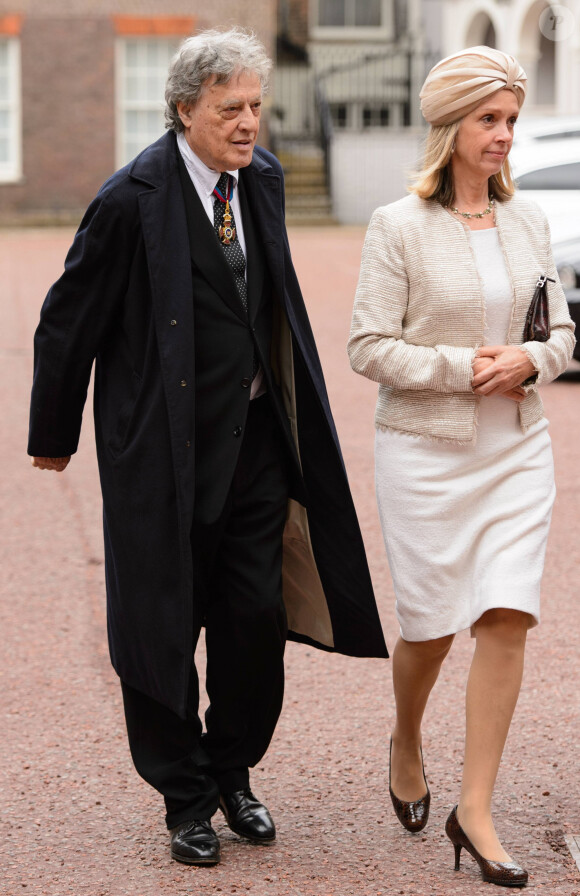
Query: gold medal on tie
(227,231)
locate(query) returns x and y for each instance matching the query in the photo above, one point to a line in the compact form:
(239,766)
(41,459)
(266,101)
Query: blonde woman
(464,472)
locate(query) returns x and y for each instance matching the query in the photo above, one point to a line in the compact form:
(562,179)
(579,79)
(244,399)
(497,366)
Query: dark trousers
(238,598)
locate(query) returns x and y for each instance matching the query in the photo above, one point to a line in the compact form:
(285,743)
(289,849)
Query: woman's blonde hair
(435,179)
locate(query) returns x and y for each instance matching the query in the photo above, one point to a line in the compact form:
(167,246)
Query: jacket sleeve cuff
(461,367)
(530,349)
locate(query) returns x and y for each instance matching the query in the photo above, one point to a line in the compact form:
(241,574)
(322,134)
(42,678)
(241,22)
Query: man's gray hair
(217,54)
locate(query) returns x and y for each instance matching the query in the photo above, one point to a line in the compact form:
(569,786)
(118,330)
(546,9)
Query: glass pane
(131,122)
(154,87)
(3,53)
(131,88)
(153,123)
(150,52)
(4,150)
(131,53)
(136,124)
(132,148)
(339,114)
(143,127)
(4,120)
(331,13)
(367,13)
(4,94)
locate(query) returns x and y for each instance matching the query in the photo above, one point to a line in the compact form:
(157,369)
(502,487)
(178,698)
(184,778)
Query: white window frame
(384,31)
(11,170)
(124,105)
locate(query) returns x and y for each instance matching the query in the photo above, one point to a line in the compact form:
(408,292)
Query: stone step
(302,188)
(320,204)
(305,176)
(290,152)
(307,172)
(309,219)
(307,200)
(298,161)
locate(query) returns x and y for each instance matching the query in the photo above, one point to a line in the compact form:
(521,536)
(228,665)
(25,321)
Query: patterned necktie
(232,250)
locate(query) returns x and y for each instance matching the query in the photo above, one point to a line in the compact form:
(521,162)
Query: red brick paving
(76,818)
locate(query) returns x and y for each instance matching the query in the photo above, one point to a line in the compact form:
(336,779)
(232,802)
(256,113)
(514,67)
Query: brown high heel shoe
(413,815)
(504,874)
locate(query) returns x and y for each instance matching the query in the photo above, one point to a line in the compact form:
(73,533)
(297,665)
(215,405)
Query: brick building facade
(293,28)
(81,89)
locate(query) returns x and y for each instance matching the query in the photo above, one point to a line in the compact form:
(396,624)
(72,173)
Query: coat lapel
(263,191)
(164,225)
(254,255)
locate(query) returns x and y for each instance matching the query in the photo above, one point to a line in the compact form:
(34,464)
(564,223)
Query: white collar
(206,177)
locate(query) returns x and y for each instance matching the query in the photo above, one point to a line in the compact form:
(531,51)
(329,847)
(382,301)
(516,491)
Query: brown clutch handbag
(537,326)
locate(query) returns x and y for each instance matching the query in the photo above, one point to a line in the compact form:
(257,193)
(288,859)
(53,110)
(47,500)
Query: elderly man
(226,504)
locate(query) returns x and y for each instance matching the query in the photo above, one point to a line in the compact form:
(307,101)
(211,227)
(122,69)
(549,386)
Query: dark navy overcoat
(125,299)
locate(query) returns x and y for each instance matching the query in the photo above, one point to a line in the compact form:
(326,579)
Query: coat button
(238,431)
(184,382)
(246,382)
(188,444)
(173,323)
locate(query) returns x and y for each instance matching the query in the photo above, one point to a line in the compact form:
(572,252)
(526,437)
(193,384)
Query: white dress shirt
(204,180)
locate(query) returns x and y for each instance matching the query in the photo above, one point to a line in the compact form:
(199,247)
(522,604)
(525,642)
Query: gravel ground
(75,816)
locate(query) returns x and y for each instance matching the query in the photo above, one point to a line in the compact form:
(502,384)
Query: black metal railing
(359,91)
(326,126)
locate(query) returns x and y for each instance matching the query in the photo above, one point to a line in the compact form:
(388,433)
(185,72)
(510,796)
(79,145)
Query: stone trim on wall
(153,26)
(11,26)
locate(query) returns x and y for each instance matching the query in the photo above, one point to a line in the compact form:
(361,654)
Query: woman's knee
(509,626)
(434,650)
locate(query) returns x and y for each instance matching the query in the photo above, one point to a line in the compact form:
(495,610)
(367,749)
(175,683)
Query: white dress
(466,526)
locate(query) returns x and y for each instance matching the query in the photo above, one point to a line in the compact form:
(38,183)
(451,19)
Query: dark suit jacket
(226,339)
(125,298)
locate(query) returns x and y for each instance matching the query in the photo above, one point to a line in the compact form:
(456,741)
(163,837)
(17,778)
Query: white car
(542,130)
(548,171)
(545,160)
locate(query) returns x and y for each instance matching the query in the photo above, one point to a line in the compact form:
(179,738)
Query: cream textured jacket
(419,314)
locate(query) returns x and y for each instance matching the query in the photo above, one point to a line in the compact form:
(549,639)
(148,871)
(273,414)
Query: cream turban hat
(457,84)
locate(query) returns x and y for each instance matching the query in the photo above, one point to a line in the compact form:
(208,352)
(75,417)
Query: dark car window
(559,177)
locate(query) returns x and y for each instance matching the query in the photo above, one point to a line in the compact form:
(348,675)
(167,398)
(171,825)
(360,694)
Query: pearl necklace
(473,214)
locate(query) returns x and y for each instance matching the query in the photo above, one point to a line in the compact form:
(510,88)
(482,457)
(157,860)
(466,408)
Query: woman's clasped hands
(500,370)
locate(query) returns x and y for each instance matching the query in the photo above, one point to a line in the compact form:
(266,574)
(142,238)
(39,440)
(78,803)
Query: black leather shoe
(195,843)
(247,816)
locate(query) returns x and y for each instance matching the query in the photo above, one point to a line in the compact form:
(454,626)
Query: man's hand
(50,463)
(500,370)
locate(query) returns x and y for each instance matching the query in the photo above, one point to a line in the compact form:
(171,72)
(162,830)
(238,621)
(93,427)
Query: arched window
(538,56)
(545,84)
(481,32)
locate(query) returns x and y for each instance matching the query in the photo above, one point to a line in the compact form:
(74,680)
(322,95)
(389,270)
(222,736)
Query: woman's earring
(453,146)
